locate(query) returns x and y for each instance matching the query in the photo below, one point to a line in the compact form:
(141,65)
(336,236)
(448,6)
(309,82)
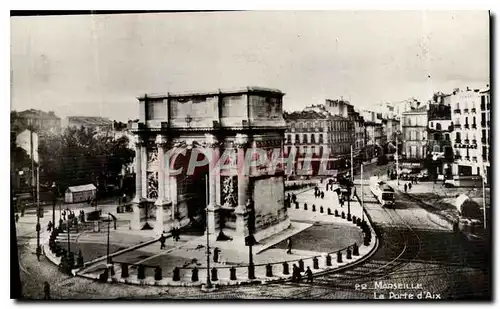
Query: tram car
(384,193)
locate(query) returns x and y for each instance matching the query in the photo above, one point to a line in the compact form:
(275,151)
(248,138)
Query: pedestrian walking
(17,217)
(289,245)
(409,186)
(46,290)
(405,188)
(309,275)
(162,241)
(49,226)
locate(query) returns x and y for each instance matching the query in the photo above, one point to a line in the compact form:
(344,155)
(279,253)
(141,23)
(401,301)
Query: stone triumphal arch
(205,127)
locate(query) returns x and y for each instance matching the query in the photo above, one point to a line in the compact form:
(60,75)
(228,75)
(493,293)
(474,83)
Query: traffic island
(278,265)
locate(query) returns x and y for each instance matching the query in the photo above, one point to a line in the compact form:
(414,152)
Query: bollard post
(328,260)
(177,274)
(315,263)
(336,213)
(329,211)
(305,206)
(321,209)
(348,255)
(358,222)
(269,270)
(343,215)
(124,270)
(286,270)
(158,273)
(354,219)
(141,272)
(314,208)
(214,274)
(251,272)
(296,205)
(339,257)
(355,249)
(366,241)
(232,273)
(194,275)
(301,265)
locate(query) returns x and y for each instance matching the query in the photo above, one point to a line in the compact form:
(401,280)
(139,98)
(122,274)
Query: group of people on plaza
(176,232)
(297,274)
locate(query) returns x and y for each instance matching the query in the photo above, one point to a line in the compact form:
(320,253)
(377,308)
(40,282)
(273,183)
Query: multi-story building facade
(414,123)
(40,121)
(439,145)
(98,124)
(320,133)
(485,142)
(373,135)
(470,134)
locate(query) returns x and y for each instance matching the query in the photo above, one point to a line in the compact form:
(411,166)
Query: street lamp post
(250,239)
(209,283)
(108,259)
(54,204)
(362,196)
(67,228)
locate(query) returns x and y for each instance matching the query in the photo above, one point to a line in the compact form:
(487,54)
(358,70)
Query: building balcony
(458,141)
(467,158)
(457,111)
(466,126)
(474,141)
(474,159)
(474,126)
(473,110)
(466,110)
(457,125)
(466,141)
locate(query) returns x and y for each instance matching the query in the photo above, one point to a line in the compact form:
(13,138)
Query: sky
(97,65)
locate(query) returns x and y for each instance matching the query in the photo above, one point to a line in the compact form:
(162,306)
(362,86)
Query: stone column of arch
(139,175)
(241,142)
(212,152)
(163,195)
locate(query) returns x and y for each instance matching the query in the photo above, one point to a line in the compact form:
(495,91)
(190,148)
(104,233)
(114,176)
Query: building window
(438,126)
(313,139)
(297,138)
(413,136)
(432,124)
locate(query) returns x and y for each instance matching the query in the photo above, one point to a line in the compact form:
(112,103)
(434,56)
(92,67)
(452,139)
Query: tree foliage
(80,156)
